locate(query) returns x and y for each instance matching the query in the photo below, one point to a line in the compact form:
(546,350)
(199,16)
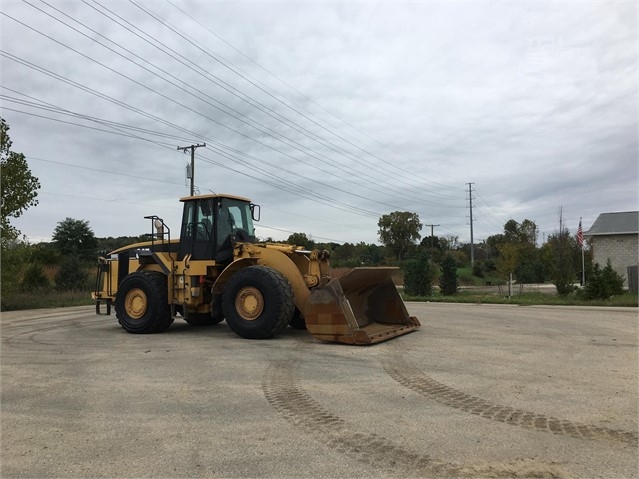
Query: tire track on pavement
(282,390)
(416,380)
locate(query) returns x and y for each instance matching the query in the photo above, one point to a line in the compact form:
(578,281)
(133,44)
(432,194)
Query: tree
(528,231)
(494,243)
(511,231)
(524,232)
(34,278)
(370,254)
(300,239)
(418,276)
(399,231)
(602,284)
(612,280)
(71,276)
(449,242)
(516,251)
(507,261)
(594,287)
(530,267)
(15,255)
(448,279)
(563,252)
(433,247)
(109,244)
(19,186)
(75,238)
(346,255)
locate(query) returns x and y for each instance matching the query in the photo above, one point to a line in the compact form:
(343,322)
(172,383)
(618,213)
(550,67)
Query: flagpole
(583,261)
(583,267)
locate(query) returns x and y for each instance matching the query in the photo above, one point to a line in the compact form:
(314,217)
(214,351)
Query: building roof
(622,223)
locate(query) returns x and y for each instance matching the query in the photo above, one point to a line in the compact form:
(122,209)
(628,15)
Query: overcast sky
(328,115)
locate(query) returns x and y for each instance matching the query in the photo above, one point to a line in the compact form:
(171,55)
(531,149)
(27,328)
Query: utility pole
(472,243)
(192,148)
(432,240)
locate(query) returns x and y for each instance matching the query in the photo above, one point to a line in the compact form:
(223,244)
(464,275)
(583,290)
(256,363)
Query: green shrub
(563,280)
(418,276)
(478,269)
(34,279)
(603,283)
(448,279)
(72,276)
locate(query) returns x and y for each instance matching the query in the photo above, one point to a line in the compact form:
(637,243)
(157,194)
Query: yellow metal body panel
(232,197)
(142,245)
(361,307)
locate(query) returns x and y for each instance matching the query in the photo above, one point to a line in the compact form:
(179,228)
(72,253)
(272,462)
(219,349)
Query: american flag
(580,235)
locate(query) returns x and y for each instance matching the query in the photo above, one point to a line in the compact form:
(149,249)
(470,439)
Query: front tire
(141,304)
(297,322)
(258,302)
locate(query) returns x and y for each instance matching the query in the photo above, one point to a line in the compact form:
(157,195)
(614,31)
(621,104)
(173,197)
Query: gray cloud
(401,105)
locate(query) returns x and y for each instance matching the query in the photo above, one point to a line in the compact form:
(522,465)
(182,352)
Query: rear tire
(258,302)
(298,321)
(141,304)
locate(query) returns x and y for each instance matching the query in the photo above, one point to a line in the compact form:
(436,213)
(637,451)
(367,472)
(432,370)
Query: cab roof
(221,195)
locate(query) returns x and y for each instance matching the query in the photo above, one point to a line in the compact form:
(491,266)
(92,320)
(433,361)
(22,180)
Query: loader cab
(211,224)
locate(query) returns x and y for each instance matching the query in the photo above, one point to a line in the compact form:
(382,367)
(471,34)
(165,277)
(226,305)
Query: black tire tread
(157,322)
(298,321)
(280,288)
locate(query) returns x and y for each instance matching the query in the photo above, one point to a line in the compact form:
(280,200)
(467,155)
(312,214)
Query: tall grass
(47,298)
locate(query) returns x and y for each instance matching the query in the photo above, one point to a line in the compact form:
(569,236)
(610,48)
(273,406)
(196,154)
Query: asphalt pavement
(479,391)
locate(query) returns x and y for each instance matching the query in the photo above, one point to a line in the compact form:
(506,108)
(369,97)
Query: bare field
(479,391)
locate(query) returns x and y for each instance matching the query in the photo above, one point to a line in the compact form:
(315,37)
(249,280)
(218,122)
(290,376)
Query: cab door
(197,233)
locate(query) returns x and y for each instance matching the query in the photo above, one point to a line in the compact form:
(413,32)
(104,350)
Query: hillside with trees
(66,266)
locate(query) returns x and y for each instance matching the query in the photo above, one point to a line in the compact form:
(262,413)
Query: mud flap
(361,307)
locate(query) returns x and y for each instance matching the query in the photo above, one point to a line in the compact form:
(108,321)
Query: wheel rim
(249,303)
(135,303)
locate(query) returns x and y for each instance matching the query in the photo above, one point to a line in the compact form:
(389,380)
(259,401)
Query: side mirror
(255,212)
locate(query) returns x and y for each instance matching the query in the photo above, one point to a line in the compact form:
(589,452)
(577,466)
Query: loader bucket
(360,307)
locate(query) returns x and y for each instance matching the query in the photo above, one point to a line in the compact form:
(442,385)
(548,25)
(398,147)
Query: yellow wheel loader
(217,271)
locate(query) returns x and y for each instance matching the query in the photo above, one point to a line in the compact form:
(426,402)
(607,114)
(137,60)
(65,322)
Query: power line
(139,137)
(119,127)
(108,200)
(293,232)
(289,141)
(298,192)
(198,113)
(225,166)
(307,98)
(70,165)
(279,183)
(256,104)
(367,165)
